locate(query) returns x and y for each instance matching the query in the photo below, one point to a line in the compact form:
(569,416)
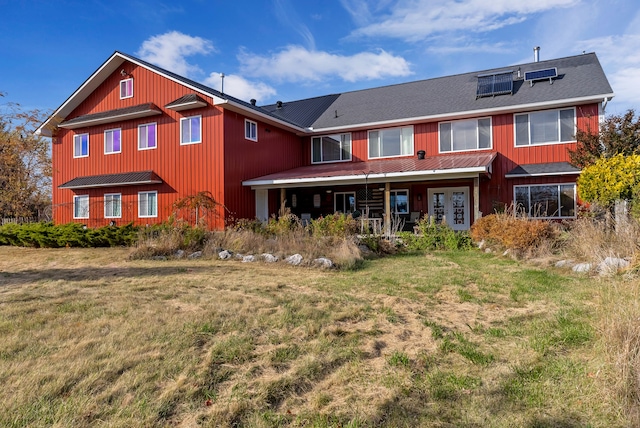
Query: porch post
(262,204)
(387,208)
(283,197)
(476,199)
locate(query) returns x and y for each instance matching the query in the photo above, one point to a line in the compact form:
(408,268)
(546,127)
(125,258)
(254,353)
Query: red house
(134,139)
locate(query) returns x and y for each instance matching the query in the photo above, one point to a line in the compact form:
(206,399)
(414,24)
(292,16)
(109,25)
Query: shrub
(610,179)
(48,235)
(435,236)
(519,234)
(341,225)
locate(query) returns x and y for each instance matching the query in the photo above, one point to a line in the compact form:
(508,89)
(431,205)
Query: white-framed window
(331,148)
(250,130)
(81,206)
(385,143)
(112,142)
(126,88)
(344,202)
(148,204)
(112,205)
(399,201)
(465,135)
(147,136)
(191,130)
(546,200)
(81,145)
(545,127)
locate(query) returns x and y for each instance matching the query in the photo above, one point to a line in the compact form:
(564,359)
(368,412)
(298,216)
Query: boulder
(323,262)
(224,255)
(269,258)
(294,260)
(611,265)
(582,267)
(195,255)
(179,254)
(248,259)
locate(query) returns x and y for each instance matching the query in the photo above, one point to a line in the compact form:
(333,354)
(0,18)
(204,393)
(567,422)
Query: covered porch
(380,192)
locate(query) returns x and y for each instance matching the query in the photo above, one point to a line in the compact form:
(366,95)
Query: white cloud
(239,87)
(415,20)
(621,61)
(169,50)
(297,64)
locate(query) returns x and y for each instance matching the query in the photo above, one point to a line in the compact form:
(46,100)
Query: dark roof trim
(111,180)
(543,170)
(187,102)
(127,113)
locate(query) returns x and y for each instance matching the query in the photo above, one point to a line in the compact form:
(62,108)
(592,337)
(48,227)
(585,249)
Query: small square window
(112,205)
(112,141)
(191,130)
(81,206)
(81,145)
(147,136)
(126,88)
(250,130)
(148,204)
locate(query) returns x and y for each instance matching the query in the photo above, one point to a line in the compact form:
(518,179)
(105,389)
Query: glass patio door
(451,205)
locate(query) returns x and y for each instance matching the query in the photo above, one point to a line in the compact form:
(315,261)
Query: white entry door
(450,204)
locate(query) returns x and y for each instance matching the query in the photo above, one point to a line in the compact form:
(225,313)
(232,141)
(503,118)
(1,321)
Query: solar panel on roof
(547,73)
(495,84)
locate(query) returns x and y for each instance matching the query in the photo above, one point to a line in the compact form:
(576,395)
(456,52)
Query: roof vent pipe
(421,154)
(278,104)
(253,101)
(536,54)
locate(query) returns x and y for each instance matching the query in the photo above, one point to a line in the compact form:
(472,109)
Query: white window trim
(199,123)
(75,202)
(477,135)
(156,128)
(119,195)
(392,156)
(248,137)
(393,211)
(559,217)
(120,88)
(105,141)
(139,200)
(528,113)
(333,161)
(75,155)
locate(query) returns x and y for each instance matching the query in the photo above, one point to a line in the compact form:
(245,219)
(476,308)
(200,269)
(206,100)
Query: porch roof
(379,171)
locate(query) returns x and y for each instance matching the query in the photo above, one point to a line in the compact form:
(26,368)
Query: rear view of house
(134,139)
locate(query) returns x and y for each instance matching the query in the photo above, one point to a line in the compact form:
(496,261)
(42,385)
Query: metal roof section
(111,180)
(543,170)
(187,102)
(127,113)
(378,171)
(580,80)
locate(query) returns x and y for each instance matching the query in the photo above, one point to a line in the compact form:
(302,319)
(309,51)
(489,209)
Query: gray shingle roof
(112,115)
(579,77)
(110,180)
(542,169)
(302,112)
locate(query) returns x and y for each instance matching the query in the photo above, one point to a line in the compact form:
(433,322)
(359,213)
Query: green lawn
(446,339)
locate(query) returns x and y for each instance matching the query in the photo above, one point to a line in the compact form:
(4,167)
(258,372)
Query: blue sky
(293,49)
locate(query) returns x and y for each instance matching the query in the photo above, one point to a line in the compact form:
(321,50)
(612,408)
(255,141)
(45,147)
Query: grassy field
(448,339)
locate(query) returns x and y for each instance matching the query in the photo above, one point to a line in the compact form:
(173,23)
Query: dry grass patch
(449,339)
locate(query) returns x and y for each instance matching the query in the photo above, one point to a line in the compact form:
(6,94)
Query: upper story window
(464,135)
(191,130)
(545,127)
(112,205)
(126,88)
(112,141)
(147,136)
(81,145)
(148,204)
(391,142)
(331,148)
(547,200)
(250,130)
(81,206)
